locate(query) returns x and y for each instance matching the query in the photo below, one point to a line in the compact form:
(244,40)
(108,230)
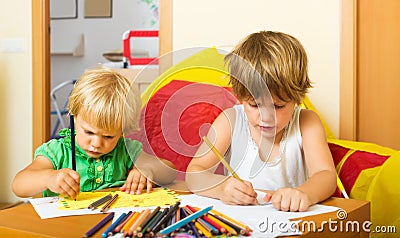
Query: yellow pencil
(221,158)
(341,187)
(237,223)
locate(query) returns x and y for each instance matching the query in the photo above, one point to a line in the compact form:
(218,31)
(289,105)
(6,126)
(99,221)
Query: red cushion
(354,164)
(177,116)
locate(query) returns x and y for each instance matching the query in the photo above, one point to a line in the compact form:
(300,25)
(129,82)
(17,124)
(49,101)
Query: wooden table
(23,221)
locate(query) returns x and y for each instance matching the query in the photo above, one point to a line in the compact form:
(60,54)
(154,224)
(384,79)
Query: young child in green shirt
(105,105)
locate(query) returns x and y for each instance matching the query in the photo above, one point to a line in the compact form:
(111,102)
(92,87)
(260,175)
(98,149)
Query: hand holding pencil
(65,182)
(247,195)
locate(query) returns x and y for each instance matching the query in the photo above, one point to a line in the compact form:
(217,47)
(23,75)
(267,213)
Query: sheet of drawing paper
(158,197)
(49,207)
(264,219)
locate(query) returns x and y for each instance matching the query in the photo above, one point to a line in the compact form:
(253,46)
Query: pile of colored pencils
(176,221)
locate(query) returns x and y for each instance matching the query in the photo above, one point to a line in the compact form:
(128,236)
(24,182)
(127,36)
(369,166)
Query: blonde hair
(272,61)
(106,99)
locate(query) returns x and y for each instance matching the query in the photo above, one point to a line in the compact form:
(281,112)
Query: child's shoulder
(309,121)
(308,115)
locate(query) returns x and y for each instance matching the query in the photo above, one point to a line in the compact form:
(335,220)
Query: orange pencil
(178,215)
(127,225)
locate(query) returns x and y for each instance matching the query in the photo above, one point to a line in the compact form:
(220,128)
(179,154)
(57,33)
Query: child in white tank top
(269,141)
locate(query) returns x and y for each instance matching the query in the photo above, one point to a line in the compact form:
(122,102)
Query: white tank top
(244,158)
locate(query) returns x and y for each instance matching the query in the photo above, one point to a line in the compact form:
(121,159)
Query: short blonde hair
(106,99)
(269,59)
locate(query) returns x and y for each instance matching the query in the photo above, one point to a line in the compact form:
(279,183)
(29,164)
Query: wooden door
(370,76)
(378,72)
(40,72)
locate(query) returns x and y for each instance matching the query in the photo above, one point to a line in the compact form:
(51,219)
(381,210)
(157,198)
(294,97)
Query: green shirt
(108,170)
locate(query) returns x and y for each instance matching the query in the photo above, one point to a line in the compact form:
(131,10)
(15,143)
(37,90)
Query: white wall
(100,36)
(15,93)
(316,23)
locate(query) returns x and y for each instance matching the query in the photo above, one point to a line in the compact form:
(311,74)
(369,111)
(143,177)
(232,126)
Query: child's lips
(94,153)
(267,128)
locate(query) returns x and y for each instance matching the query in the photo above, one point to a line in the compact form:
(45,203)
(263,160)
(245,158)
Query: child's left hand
(289,199)
(137,181)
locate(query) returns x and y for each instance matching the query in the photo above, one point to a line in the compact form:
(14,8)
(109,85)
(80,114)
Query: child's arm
(40,175)
(200,176)
(321,170)
(147,169)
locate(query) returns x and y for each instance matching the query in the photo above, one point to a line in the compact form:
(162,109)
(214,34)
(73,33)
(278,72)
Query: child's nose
(267,114)
(96,142)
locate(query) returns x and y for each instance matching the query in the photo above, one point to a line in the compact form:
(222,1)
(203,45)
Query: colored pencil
(129,223)
(148,218)
(204,224)
(99,225)
(166,217)
(110,229)
(178,215)
(72,125)
(151,221)
(108,204)
(202,229)
(228,228)
(119,226)
(213,230)
(150,229)
(138,221)
(102,200)
(73,152)
(220,229)
(185,220)
(191,224)
(238,229)
(341,187)
(237,223)
(221,158)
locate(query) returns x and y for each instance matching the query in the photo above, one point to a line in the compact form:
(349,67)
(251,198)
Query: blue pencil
(185,220)
(99,225)
(110,229)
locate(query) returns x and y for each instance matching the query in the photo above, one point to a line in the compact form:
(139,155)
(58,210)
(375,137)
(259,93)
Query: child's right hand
(65,181)
(235,192)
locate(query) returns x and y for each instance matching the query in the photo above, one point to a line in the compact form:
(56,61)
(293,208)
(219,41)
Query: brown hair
(272,61)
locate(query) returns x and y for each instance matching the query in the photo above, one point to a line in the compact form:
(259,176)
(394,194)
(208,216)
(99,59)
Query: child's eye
(89,132)
(253,104)
(279,106)
(109,137)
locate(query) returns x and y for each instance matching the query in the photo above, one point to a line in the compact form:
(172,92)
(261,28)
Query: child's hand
(237,192)
(65,182)
(289,199)
(137,181)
